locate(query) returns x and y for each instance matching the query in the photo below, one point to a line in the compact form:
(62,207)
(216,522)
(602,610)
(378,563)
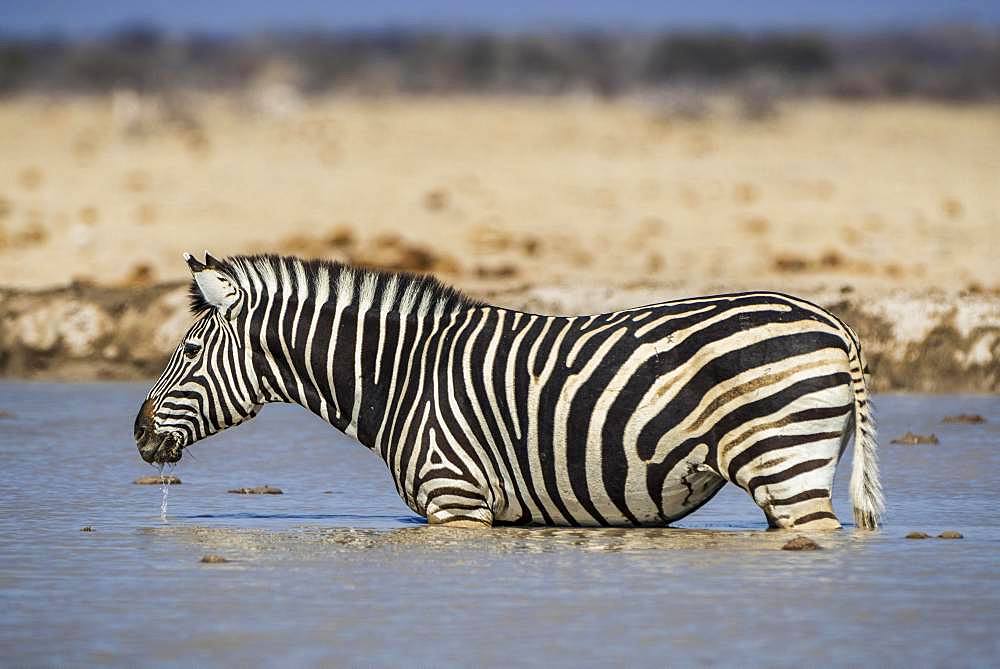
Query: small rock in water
(327,492)
(259,490)
(168,479)
(86,528)
(213,559)
(950,534)
(911,439)
(964,418)
(801,543)
(5,414)
(918,535)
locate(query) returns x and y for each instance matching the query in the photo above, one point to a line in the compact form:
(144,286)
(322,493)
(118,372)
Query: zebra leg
(449,490)
(474,518)
(794,491)
(453,502)
(811,509)
(461,523)
(787,466)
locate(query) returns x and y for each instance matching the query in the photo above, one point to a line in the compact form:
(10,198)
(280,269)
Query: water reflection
(343,517)
(308,542)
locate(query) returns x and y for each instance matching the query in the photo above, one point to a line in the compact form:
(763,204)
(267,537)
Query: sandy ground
(506,193)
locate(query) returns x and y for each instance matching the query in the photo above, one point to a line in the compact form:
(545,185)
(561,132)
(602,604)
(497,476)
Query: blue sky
(88,17)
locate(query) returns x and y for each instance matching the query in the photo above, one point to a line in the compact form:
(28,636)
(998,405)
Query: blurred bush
(951,63)
(729,55)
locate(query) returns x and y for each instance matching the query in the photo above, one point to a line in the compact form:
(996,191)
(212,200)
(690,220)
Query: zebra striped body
(486,415)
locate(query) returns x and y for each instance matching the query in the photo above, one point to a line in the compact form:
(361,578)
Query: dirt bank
(927,342)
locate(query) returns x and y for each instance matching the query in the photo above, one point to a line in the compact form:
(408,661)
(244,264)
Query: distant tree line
(952,63)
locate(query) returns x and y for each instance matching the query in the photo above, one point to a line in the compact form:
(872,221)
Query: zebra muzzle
(157,449)
(154,448)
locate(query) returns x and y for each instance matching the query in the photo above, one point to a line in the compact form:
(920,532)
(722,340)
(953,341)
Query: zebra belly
(656,498)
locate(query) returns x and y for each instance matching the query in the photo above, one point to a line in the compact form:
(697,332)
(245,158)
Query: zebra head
(209,383)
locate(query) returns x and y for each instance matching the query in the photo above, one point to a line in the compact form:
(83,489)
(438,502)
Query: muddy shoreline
(920,341)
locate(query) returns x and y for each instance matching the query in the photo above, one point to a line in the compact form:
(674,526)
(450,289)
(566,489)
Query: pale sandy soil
(500,194)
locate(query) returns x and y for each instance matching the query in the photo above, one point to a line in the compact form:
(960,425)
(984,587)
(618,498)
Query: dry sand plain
(562,205)
(507,191)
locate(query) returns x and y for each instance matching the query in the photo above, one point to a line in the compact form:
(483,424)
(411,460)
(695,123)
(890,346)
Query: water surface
(337,571)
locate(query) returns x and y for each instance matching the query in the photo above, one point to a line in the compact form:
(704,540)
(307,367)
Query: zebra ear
(193,263)
(211,262)
(216,287)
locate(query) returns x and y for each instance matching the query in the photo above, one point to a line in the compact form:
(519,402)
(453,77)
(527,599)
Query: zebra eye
(191,349)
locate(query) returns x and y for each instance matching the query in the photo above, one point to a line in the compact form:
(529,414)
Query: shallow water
(338,571)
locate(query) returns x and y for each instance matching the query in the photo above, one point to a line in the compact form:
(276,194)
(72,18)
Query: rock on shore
(921,341)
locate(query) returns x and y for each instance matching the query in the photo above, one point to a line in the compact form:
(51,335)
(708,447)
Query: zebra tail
(866,488)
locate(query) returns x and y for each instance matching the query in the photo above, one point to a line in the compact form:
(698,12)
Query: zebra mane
(327,279)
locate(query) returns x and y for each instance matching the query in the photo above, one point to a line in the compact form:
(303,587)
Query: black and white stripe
(490,416)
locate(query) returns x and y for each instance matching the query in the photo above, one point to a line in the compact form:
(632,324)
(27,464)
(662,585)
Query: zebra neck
(352,365)
(390,362)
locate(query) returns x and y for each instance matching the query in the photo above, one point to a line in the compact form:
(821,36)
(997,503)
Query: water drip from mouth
(165,487)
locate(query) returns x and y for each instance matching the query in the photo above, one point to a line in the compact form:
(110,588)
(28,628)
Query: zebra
(490,416)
